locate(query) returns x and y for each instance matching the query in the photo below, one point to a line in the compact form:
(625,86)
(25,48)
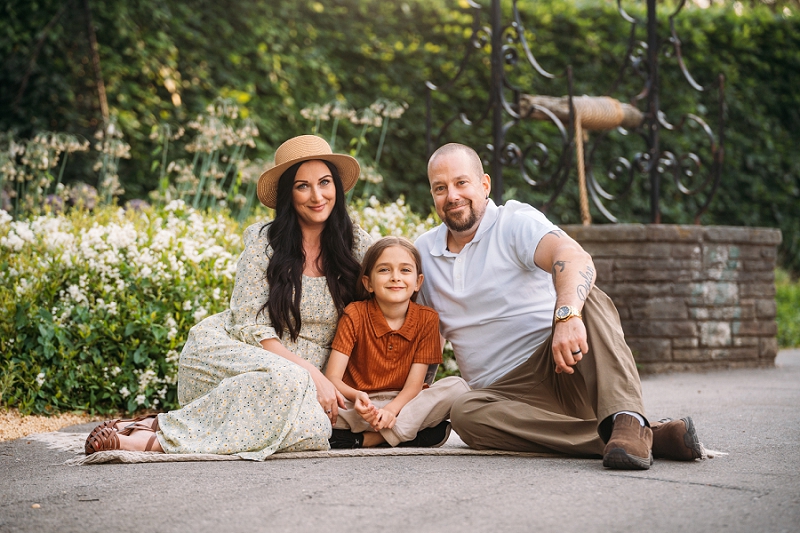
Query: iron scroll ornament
(542,167)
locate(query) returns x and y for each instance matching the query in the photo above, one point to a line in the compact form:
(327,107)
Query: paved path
(754,415)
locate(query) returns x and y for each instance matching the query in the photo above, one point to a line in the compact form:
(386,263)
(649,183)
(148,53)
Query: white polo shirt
(495,305)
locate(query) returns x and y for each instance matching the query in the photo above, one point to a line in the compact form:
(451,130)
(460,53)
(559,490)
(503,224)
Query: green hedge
(787,298)
(275,58)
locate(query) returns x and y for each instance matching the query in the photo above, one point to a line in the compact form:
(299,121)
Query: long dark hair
(285,270)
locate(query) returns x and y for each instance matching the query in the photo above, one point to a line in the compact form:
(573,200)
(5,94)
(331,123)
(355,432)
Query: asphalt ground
(752,414)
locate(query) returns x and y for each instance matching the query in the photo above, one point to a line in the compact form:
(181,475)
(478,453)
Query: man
(541,347)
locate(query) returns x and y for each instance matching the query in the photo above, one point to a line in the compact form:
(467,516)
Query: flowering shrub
(396,218)
(96,307)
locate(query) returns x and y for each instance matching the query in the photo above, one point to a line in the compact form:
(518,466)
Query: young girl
(380,357)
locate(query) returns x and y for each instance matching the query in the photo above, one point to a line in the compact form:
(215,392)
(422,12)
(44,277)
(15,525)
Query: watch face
(562,312)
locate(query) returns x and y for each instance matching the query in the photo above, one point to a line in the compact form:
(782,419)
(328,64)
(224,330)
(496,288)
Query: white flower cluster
(220,127)
(117,252)
(395,218)
(147,378)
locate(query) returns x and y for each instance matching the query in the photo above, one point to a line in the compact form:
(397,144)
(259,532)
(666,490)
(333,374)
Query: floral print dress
(238,398)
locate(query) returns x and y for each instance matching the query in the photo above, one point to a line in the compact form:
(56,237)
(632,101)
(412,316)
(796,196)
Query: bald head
(474,161)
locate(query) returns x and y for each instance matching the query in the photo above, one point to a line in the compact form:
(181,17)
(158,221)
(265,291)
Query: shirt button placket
(458,271)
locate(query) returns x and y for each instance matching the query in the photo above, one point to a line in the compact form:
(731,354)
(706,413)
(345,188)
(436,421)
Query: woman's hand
(329,398)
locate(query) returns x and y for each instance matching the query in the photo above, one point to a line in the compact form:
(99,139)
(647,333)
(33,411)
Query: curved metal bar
(719,153)
(662,119)
(625,60)
(676,44)
(598,203)
(476,42)
(520,28)
(543,163)
(625,14)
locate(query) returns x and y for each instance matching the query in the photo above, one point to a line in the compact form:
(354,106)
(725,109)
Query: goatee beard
(458,224)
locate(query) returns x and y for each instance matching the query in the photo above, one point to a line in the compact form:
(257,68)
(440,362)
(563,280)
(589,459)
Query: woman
(250,378)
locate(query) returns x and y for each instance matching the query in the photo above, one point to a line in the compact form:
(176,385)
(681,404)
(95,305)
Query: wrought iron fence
(546,165)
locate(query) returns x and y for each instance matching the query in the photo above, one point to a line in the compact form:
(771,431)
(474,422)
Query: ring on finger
(576,353)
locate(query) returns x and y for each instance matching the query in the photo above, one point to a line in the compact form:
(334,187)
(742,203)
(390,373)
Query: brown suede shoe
(676,440)
(629,445)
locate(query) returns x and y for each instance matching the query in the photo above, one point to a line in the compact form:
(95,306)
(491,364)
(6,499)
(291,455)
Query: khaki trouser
(427,409)
(532,408)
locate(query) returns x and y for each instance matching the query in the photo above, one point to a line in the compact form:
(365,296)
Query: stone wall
(689,297)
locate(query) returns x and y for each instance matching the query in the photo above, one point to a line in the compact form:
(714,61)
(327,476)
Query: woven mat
(73,442)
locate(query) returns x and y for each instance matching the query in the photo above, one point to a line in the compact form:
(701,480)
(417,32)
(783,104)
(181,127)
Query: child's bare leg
(372,438)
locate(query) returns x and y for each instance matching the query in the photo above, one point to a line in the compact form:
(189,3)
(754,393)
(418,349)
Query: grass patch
(787,298)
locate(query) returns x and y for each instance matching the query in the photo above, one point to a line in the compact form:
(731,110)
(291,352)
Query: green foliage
(787,298)
(166,61)
(98,306)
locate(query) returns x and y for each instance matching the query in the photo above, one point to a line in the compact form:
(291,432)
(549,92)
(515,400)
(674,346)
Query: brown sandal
(108,439)
(143,422)
(112,424)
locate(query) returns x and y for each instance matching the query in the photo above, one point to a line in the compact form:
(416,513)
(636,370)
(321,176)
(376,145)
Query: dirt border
(14,425)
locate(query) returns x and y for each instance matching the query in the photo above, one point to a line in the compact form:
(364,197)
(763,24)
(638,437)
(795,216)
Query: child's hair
(374,253)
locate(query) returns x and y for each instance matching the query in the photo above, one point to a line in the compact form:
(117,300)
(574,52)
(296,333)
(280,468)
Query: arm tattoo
(586,286)
(557,232)
(558,266)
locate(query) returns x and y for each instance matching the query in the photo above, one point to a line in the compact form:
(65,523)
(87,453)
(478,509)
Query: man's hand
(569,337)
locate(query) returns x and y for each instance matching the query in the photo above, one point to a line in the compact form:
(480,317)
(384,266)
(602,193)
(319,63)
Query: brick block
(765,328)
(757,276)
(732,354)
(672,232)
(630,249)
(715,334)
(737,312)
(690,355)
(661,264)
(656,274)
(606,233)
(672,308)
(751,251)
(685,342)
(685,251)
(768,347)
(718,293)
(749,342)
(650,349)
(758,265)
(770,252)
(742,235)
(604,270)
(631,291)
(766,308)
(659,328)
(757,290)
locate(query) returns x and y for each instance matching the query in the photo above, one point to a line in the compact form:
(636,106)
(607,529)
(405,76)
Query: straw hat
(304,148)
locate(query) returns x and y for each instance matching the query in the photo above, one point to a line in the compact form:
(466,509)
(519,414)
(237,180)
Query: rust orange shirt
(380,357)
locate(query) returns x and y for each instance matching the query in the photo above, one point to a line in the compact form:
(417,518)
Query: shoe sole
(690,439)
(619,459)
(446,436)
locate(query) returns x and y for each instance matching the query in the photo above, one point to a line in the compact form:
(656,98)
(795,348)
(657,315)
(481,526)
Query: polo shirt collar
(380,327)
(489,218)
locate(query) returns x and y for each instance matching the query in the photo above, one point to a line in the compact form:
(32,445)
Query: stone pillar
(689,297)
